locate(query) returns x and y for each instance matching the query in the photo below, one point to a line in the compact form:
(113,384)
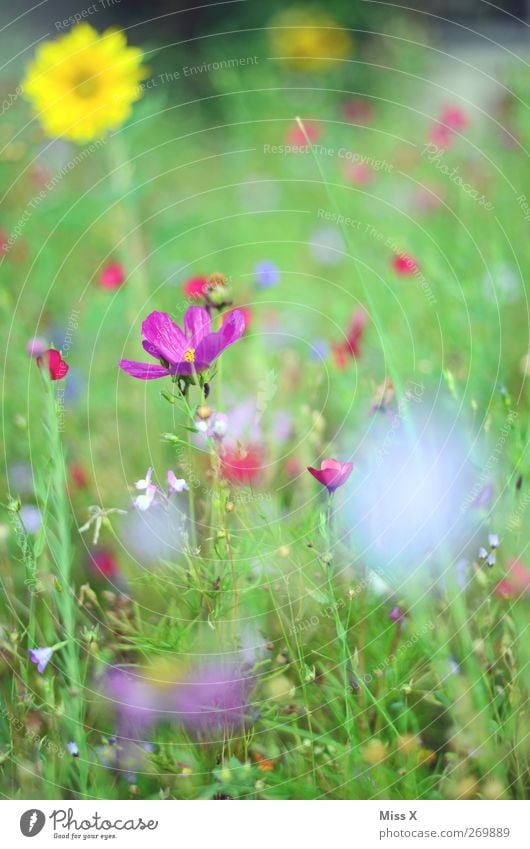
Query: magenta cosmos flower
(183,352)
(332,474)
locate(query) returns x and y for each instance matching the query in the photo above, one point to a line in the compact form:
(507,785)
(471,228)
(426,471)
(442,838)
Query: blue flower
(267,274)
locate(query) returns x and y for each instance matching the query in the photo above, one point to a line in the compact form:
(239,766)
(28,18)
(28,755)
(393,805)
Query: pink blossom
(404,265)
(36,346)
(296,136)
(112,276)
(185,351)
(359,173)
(57,367)
(176,484)
(454,118)
(332,474)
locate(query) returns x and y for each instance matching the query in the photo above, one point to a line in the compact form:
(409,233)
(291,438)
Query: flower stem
(61,549)
(129,234)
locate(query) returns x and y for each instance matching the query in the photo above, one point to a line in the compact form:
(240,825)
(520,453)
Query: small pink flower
(404,265)
(103,562)
(359,174)
(441,136)
(36,346)
(297,138)
(516,582)
(332,474)
(112,276)
(57,367)
(454,118)
(242,465)
(176,484)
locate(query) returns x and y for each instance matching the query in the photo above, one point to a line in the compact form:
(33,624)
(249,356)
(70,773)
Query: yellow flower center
(189,356)
(86,84)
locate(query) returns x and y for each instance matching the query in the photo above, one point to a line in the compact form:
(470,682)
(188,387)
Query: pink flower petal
(215,343)
(161,337)
(197,325)
(143,371)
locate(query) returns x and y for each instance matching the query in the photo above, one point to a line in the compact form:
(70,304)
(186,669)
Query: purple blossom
(267,274)
(31,518)
(215,695)
(319,350)
(183,352)
(73,749)
(40,657)
(396,614)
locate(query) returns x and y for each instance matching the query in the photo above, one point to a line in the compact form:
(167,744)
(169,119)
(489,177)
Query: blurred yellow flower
(83,84)
(308,40)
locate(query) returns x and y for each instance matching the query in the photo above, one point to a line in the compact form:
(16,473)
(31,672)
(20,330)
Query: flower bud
(204,412)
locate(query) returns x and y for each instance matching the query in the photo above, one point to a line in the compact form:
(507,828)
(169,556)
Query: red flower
(112,276)
(3,242)
(454,118)
(196,288)
(332,474)
(516,582)
(359,173)
(57,367)
(404,265)
(297,138)
(350,349)
(78,475)
(242,465)
(103,562)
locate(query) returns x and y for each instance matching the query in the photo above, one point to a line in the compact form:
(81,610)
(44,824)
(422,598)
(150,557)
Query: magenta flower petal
(183,354)
(161,337)
(197,325)
(331,474)
(215,343)
(144,371)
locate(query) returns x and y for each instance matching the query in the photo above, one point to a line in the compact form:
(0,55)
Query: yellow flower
(83,84)
(308,40)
